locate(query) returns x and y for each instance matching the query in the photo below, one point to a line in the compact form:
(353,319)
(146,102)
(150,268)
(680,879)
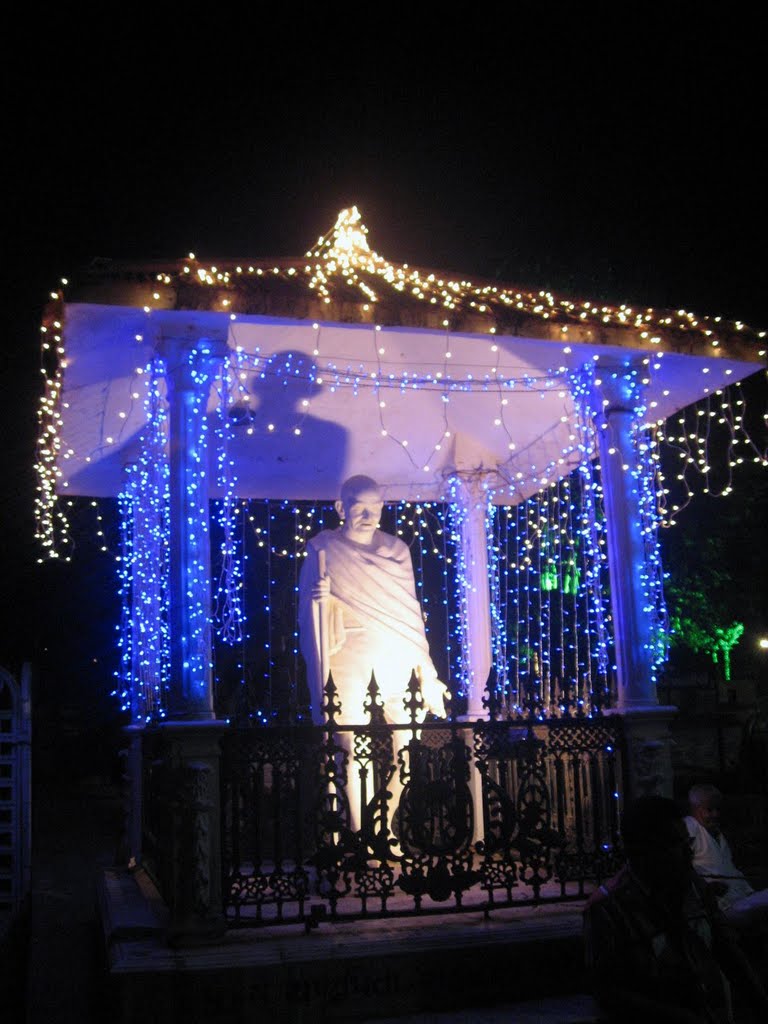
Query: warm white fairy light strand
(344,260)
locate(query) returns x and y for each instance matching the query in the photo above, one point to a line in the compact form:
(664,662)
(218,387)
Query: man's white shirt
(713,860)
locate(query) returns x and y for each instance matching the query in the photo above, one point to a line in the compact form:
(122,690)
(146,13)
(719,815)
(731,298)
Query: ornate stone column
(190,367)
(470,497)
(617,403)
(191,749)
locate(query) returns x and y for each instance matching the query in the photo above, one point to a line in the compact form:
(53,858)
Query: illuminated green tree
(716,641)
(704,600)
(716,559)
(726,639)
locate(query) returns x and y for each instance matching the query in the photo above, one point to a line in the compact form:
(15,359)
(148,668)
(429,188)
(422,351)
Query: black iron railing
(341,821)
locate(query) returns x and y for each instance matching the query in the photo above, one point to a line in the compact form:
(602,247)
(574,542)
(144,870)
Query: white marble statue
(358,613)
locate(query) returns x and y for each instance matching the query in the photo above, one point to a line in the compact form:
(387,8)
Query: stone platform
(444,968)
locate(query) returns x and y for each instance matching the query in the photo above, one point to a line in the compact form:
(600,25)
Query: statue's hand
(321,589)
(434,693)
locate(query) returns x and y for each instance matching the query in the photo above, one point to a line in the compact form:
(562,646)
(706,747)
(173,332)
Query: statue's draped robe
(373,624)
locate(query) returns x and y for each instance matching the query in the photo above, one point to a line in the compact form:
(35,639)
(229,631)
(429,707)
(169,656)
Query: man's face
(707,813)
(362,512)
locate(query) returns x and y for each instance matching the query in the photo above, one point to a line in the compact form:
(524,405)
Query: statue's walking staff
(320,615)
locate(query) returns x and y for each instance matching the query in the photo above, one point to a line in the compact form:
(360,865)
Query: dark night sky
(617,157)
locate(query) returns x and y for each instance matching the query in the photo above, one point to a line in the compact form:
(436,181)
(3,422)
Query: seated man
(712,859)
(657,947)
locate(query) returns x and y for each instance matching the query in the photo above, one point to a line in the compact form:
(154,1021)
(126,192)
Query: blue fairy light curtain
(260,674)
(228,583)
(144,505)
(551,638)
(552,648)
(552,643)
(644,466)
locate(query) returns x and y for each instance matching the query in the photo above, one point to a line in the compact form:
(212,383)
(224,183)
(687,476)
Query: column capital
(191,357)
(617,388)
(473,485)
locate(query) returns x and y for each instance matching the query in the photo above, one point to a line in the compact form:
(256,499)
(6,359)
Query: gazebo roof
(349,363)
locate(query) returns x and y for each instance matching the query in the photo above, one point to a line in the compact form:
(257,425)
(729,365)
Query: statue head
(360,508)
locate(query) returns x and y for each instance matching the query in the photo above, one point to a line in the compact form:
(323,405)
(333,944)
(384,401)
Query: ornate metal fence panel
(342,821)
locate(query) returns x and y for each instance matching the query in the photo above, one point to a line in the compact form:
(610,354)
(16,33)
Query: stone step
(577,1008)
(339,972)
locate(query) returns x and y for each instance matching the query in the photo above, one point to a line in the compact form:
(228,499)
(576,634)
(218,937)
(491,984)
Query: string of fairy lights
(643,464)
(143,566)
(551,629)
(708,441)
(551,632)
(299,378)
(542,634)
(342,261)
(227,611)
(551,640)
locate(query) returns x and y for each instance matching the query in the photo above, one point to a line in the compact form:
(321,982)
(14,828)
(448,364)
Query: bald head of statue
(359,508)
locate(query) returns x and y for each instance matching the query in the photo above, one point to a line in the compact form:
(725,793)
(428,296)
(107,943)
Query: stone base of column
(132,780)
(648,753)
(187,812)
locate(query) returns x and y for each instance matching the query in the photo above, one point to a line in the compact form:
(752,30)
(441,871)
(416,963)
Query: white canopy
(321,401)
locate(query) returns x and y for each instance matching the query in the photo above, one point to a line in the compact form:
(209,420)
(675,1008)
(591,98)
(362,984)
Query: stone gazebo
(174,383)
